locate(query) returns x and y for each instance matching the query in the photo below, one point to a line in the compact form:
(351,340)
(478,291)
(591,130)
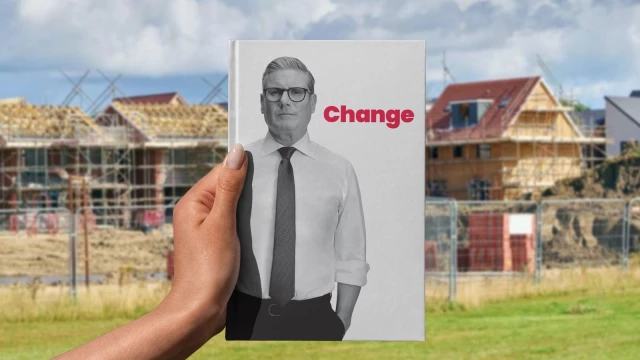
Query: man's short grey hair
(287,62)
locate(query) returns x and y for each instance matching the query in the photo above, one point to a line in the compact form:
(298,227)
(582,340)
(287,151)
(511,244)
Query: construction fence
(470,247)
(477,246)
(56,246)
(137,250)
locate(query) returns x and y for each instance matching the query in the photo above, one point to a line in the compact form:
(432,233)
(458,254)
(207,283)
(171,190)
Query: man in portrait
(300,223)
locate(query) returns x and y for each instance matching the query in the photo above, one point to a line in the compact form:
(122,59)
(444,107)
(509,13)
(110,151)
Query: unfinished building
(138,151)
(500,140)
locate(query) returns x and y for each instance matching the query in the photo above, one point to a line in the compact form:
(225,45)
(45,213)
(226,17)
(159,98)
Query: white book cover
(331,217)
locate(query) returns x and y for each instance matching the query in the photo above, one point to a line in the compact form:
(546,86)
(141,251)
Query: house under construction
(144,150)
(499,140)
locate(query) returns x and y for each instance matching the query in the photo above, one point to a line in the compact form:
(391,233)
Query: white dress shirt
(330,229)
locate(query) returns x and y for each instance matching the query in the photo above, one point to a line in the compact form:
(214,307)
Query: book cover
(331,217)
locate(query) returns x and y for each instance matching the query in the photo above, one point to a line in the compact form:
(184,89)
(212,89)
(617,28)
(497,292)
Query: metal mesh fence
(633,229)
(471,248)
(496,238)
(496,243)
(439,248)
(136,248)
(583,232)
(493,249)
(34,245)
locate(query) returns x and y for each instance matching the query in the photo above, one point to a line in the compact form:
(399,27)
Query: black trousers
(252,318)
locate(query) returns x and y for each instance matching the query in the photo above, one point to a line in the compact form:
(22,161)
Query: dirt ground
(617,178)
(593,231)
(109,252)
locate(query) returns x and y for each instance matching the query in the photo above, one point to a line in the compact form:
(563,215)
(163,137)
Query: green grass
(579,325)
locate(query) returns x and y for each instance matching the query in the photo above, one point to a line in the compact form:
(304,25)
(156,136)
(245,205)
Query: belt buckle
(269,310)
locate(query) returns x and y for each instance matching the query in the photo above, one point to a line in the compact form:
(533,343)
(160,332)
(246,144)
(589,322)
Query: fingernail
(235,158)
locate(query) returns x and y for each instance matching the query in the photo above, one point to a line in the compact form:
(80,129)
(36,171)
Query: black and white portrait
(300,223)
(331,216)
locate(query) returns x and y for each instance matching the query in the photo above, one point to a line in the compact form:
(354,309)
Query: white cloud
(149,37)
(590,47)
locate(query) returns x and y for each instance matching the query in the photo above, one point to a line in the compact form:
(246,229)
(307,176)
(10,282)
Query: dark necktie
(282,286)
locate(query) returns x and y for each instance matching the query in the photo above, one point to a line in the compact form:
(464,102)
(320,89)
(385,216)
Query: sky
(591,47)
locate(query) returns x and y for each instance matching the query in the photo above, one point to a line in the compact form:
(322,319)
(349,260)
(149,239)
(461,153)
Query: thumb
(230,182)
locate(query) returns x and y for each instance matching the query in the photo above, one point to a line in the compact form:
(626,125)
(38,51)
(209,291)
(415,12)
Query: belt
(274,309)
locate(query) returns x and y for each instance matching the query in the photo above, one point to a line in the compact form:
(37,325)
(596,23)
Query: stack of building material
(522,240)
(150,218)
(430,255)
(489,244)
(501,242)
(463,258)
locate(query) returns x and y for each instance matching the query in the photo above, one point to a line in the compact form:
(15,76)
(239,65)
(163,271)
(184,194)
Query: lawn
(575,325)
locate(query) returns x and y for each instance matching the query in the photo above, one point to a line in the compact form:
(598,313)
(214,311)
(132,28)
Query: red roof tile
(165,98)
(495,120)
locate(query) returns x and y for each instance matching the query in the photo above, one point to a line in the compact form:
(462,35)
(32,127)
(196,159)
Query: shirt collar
(303,145)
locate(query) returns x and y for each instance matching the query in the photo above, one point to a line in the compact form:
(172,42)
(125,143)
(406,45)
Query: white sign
(521,224)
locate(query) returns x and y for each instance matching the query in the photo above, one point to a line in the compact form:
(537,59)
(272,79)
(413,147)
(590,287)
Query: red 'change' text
(391,117)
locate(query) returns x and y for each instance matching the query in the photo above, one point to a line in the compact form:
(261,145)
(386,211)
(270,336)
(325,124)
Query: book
(331,217)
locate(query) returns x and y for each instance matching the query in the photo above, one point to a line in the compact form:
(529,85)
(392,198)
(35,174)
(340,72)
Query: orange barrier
(53,223)
(430,255)
(14,223)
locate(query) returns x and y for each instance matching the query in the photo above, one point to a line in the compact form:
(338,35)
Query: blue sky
(592,47)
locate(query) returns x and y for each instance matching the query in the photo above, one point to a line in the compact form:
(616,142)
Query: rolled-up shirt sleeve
(350,236)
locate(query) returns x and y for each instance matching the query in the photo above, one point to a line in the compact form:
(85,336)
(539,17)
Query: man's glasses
(296,94)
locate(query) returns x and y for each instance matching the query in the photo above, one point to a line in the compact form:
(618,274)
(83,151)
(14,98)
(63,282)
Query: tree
(576,105)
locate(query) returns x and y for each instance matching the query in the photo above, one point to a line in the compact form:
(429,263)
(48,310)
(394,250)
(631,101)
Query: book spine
(233,109)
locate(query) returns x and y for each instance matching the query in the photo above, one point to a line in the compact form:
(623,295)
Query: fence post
(626,243)
(72,240)
(73,255)
(73,236)
(539,224)
(453,262)
(70,255)
(85,204)
(629,217)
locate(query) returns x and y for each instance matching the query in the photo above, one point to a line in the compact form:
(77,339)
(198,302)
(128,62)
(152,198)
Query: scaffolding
(128,154)
(529,148)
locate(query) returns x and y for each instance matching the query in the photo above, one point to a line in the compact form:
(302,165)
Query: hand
(346,302)
(206,245)
(207,258)
(346,320)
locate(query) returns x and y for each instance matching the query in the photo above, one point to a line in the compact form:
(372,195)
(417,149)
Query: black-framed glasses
(296,94)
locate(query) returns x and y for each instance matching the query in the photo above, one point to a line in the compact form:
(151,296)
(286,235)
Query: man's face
(285,115)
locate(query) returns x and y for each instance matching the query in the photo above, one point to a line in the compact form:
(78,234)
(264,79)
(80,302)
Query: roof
(165,98)
(628,106)
(164,121)
(589,118)
(495,120)
(16,100)
(635,93)
(25,121)
(590,122)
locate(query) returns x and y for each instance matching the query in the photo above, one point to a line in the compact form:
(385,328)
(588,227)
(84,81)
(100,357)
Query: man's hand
(346,320)
(207,260)
(347,297)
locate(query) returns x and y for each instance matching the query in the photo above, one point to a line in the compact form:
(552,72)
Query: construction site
(505,139)
(118,153)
